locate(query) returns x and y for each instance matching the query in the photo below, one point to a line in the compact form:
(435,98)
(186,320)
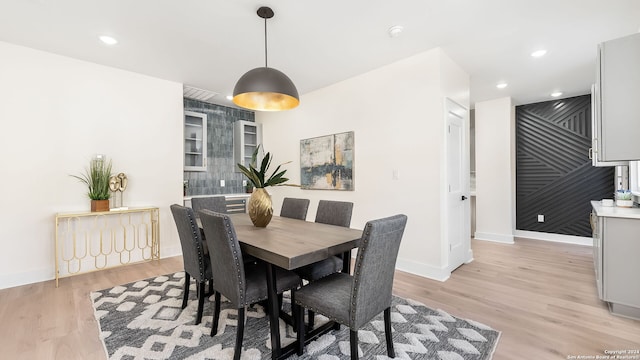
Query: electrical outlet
(244,182)
(221,183)
(540,218)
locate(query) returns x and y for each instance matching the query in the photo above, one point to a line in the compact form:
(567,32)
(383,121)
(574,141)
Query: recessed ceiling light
(501,85)
(229,97)
(108,40)
(556,94)
(539,53)
(395,31)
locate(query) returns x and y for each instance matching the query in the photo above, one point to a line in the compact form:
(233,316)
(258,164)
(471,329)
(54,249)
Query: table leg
(272,303)
(346,262)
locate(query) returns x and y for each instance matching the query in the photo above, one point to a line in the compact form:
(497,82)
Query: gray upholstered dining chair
(353,300)
(333,213)
(213,203)
(196,262)
(216,204)
(241,283)
(294,208)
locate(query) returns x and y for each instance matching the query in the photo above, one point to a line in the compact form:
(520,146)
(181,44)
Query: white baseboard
(469,257)
(501,238)
(424,270)
(567,239)
(170,251)
(46,274)
(24,278)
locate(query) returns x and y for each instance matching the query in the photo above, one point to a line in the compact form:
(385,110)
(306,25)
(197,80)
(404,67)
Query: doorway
(458,242)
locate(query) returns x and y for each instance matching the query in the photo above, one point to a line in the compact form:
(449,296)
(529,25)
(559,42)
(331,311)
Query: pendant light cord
(265,42)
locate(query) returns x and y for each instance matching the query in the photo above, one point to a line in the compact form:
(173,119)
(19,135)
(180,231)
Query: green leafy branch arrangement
(258,177)
(96,177)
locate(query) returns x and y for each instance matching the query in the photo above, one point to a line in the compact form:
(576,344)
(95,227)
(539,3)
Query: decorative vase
(260,210)
(99,205)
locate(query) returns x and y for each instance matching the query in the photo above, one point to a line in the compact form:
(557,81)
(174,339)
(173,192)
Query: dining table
(289,244)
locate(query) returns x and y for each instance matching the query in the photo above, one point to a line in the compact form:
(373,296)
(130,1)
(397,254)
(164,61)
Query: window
(622,178)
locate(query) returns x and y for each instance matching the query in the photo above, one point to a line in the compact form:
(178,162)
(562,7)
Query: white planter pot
(624,203)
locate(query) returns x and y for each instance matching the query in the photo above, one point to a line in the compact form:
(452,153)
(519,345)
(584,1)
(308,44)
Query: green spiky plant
(96,177)
(258,177)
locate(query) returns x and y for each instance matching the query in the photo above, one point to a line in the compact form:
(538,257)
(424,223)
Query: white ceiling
(209,44)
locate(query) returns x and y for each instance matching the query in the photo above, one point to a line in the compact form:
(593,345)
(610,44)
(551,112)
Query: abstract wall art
(326,162)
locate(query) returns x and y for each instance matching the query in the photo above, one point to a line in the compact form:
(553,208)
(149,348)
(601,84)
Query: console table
(90,241)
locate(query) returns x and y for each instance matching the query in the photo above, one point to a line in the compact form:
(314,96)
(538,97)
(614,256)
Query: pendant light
(265,88)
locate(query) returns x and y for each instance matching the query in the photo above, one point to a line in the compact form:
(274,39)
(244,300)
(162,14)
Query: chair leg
(216,315)
(311,320)
(353,340)
(387,332)
(294,311)
(210,288)
(239,334)
(201,296)
(299,313)
(185,296)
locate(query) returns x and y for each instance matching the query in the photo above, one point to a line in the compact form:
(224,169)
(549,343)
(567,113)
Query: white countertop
(614,211)
(225,195)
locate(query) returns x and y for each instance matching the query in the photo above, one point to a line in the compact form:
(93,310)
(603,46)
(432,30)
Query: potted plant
(624,198)
(96,177)
(260,210)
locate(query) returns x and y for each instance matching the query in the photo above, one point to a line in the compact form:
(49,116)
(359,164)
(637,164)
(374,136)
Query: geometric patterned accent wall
(220,162)
(554,176)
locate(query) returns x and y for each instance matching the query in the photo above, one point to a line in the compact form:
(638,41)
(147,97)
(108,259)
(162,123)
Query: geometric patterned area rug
(143,320)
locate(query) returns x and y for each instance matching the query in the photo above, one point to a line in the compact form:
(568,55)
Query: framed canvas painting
(326,162)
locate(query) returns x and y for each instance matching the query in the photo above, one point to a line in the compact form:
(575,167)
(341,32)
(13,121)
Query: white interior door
(458,231)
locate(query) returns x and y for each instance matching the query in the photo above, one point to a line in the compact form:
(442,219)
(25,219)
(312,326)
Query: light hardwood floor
(541,295)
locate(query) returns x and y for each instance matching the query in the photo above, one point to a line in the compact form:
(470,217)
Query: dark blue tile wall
(220,162)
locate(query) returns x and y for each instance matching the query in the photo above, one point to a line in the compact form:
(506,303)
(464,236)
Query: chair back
(191,242)
(375,266)
(334,212)
(294,208)
(213,203)
(226,258)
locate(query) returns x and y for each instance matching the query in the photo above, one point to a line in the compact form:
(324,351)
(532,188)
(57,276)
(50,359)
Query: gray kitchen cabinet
(596,225)
(195,141)
(616,246)
(236,203)
(247,135)
(615,105)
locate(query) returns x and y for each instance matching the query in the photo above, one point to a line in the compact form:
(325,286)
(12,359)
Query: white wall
(397,114)
(56,113)
(495,170)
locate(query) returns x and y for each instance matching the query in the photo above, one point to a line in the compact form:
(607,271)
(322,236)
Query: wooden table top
(290,243)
